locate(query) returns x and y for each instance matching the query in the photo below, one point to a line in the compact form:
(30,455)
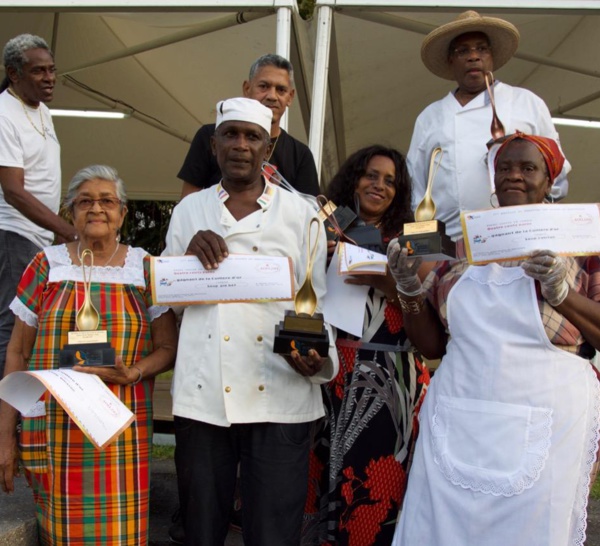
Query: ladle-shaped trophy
(87,346)
(427,236)
(304,329)
(497,128)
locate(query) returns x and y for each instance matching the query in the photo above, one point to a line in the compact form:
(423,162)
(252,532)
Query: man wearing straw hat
(465,50)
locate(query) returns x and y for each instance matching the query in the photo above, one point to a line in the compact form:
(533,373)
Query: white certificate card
(182,280)
(509,233)
(355,260)
(89,402)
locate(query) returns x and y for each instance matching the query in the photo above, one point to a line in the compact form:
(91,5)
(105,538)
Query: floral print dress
(360,457)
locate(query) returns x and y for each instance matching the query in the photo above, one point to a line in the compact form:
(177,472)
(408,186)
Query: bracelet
(394,300)
(139,377)
(412,307)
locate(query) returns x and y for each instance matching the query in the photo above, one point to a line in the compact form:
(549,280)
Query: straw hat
(503,36)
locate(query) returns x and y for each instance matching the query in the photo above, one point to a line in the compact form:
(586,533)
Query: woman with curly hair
(360,459)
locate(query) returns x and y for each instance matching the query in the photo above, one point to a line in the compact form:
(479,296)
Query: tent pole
(54,32)
(425,28)
(282,47)
(319,94)
(131,113)
(197,30)
(561,110)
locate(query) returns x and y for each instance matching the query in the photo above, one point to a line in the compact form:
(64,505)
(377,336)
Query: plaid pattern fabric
(83,495)
(583,277)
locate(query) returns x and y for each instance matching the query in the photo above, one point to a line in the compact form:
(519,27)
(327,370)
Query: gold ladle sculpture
(497,128)
(87,317)
(305,302)
(425,210)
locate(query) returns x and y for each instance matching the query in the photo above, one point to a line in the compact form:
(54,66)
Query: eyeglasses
(106,203)
(463,52)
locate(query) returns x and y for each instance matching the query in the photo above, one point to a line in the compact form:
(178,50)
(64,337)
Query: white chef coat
(226,371)
(462,180)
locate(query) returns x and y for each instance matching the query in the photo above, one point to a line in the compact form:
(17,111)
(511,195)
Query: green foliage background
(146,224)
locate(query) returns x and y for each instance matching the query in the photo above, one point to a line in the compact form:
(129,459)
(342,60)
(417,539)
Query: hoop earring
(494,200)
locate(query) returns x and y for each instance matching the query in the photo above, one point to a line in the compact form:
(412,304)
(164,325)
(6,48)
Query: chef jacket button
(227,389)
(261,387)
(226,338)
(259,338)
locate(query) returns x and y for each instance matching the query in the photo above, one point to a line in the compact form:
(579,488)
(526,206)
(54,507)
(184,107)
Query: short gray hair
(271,59)
(15,51)
(102,172)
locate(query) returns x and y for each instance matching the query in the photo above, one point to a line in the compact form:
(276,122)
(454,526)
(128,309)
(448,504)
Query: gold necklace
(107,262)
(43,131)
(274,146)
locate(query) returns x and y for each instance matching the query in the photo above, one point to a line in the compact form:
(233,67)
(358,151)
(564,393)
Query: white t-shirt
(23,147)
(462,180)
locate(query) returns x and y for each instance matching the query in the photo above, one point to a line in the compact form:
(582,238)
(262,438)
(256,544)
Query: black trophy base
(344,216)
(87,354)
(288,340)
(431,247)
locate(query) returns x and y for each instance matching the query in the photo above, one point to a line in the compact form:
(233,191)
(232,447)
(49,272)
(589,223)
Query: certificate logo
(268,267)
(581,219)
(109,406)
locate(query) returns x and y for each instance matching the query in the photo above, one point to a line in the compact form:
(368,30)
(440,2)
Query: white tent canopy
(168,66)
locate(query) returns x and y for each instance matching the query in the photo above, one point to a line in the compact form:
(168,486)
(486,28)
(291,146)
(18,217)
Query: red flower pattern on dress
(316,467)
(347,355)
(393,318)
(370,501)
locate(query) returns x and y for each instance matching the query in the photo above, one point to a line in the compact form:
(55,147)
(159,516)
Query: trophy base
(432,247)
(87,354)
(301,333)
(344,216)
(368,237)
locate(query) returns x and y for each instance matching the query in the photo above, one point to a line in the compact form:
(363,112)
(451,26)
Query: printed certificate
(356,260)
(182,280)
(99,414)
(509,233)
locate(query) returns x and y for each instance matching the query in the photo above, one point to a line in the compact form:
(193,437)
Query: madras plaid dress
(83,495)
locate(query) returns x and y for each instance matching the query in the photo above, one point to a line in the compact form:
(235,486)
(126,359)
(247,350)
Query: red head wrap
(548,148)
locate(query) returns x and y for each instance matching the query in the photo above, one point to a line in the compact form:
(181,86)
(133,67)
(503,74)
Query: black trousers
(273,461)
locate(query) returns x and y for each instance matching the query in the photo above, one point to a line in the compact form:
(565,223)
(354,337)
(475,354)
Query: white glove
(550,270)
(404,269)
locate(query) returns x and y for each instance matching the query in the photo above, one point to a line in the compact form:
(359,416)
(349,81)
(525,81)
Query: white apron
(509,427)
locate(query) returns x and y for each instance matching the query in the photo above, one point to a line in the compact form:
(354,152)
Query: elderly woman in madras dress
(83,495)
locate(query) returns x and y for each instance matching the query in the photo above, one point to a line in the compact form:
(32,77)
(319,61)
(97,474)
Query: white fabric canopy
(377,83)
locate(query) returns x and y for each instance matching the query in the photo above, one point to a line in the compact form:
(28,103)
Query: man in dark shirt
(271,82)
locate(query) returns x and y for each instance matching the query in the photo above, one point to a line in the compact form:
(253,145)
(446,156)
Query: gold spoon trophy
(303,329)
(87,346)
(427,237)
(497,128)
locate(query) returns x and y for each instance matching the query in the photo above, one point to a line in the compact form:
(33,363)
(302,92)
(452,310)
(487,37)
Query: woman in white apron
(510,425)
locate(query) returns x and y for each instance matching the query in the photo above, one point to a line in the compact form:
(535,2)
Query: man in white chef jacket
(234,400)
(465,50)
